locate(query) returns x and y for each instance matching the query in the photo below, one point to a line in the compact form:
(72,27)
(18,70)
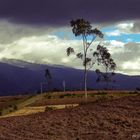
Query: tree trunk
(85,82)
(85,64)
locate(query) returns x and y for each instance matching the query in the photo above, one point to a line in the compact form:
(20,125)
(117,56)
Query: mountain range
(20,77)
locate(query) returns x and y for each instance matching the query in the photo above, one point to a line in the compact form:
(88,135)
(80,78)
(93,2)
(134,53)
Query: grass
(32,110)
(59,98)
(25,111)
(20,103)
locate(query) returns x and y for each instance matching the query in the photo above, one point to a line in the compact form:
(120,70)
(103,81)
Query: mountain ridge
(21,77)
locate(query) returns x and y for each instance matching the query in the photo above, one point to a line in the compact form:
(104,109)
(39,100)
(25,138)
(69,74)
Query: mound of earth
(102,120)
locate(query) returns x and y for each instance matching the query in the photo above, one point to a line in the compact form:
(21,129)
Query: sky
(39,31)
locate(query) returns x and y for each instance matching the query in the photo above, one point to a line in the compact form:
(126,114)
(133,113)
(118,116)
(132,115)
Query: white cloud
(126,56)
(125,27)
(136,27)
(113,33)
(41,49)
(52,49)
(128,59)
(114,46)
(116,43)
(38,45)
(133,65)
(129,27)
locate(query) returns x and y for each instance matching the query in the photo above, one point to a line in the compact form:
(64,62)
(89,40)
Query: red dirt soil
(118,119)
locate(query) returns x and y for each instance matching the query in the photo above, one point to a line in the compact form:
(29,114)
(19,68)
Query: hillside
(19,77)
(115,119)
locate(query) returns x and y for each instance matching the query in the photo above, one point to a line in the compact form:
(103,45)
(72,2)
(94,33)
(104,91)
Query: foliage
(48,108)
(20,103)
(104,59)
(48,77)
(48,74)
(83,28)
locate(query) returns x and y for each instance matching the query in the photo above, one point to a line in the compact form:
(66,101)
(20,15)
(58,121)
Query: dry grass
(26,111)
(19,103)
(36,109)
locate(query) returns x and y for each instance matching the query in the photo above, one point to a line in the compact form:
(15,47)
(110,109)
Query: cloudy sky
(39,30)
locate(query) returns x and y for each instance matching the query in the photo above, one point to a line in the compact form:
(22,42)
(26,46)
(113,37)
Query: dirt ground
(118,119)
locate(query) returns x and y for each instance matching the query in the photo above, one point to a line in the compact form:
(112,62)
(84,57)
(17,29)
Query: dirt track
(104,120)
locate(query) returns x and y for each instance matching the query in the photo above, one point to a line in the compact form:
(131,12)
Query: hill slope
(115,119)
(17,77)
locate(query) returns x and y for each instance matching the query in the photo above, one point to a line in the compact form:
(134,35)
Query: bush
(49,97)
(61,96)
(15,107)
(133,92)
(48,108)
(102,93)
(70,95)
(0,113)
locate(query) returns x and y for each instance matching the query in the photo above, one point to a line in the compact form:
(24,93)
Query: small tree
(104,59)
(82,28)
(48,77)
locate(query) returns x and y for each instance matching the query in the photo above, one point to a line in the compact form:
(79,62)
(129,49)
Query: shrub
(61,96)
(49,97)
(15,107)
(0,112)
(102,93)
(48,108)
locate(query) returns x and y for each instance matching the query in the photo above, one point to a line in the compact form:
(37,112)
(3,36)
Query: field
(11,104)
(104,116)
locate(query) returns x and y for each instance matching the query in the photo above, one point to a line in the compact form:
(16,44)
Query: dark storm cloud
(59,12)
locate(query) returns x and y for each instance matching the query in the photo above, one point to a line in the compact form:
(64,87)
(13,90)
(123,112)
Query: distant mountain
(20,77)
